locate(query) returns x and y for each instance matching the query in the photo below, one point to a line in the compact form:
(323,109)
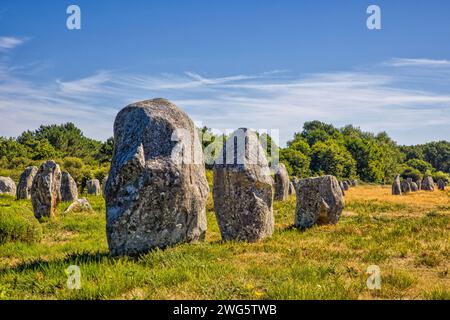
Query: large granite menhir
(319,201)
(156,190)
(69,189)
(243,189)
(45,191)
(397,186)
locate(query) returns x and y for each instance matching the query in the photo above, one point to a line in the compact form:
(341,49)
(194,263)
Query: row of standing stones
(46,186)
(156,190)
(156,197)
(400,187)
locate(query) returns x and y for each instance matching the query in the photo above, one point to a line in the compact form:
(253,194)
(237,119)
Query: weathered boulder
(79,205)
(69,189)
(243,189)
(281,183)
(93,187)
(7,186)
(319,201)
(397,187)
(156,190)
(419,184)
(406,187)
(414,187)
(45,191)
(428,184)
(25,183)
(441,184)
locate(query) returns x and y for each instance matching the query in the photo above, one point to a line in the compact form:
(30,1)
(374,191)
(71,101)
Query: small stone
(406,187)
(428,184)
(281,183)
(441,184)
(7,186)
(93,187)
(79,205)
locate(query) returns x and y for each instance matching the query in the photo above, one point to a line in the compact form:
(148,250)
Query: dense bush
(19,225)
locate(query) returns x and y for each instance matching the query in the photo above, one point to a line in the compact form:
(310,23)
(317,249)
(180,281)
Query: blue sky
(259,64)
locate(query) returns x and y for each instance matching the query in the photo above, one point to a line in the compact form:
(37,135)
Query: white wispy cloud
(9,43)
(375,100)
(399,62)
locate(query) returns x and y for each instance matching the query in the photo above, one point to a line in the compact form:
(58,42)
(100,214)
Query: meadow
(407,237)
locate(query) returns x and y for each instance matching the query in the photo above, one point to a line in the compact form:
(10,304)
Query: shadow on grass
(70,259)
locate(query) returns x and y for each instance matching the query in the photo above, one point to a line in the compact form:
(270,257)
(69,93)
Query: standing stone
(341,185)
(354,183)
(345,185)
(93,187)
(441,184)
(319,201)
(69,189)
(156,190)
(7,186)
(25,183)
(45,191)
(428,184)
(419,184)
(396,187)
(243,189)
(406,187)
(414,187)
(291,188)
(281,183)
(105,179)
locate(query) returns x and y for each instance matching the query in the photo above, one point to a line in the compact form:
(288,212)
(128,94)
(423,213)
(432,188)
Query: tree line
(318,149)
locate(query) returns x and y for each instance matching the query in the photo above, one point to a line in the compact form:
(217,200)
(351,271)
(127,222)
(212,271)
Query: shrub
(19,226)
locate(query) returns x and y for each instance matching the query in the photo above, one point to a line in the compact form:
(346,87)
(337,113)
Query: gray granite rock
(397,186)
(79,205)
(243,189)
(414,187)
(25,183)
(7,186)
(406,187)
(441,184)
(281,183)
(346,185)
(319,201)
(93,187)
(69,188)
(428,184)
(291,188)
(156,190)
(45,191)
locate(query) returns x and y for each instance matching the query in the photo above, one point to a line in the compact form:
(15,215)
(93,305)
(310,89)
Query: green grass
(408,243)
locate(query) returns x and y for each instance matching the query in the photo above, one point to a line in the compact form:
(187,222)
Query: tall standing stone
(243,189)
(406,187)
(69,189)
(397,187)
(319,201)
(45,191)
(25,183)
(441,184)
(281,183)
(419,184)
(428,184)
(93,187)
(345,185)
(354,183)
(156,190)
(7,186)
(414,187)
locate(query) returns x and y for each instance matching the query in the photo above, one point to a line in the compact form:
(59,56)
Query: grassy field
(407,237)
